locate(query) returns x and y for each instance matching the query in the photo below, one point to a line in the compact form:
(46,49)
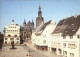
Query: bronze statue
(12,43)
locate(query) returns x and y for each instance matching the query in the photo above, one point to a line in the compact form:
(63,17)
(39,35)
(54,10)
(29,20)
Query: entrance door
(5,42)
(54,50)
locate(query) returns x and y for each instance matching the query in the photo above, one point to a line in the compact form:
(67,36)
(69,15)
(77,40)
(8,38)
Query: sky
(18,10)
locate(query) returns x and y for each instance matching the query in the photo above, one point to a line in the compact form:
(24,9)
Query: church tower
(39,19)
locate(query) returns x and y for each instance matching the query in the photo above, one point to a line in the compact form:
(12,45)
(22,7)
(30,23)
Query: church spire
(24,21)
(39,11)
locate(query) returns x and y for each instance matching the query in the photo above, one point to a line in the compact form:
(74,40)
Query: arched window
(9,35)
(15,35)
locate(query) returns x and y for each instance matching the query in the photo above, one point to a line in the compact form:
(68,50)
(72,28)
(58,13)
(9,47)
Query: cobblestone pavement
(34,53)
(24,51)
(46,53)
(19,52)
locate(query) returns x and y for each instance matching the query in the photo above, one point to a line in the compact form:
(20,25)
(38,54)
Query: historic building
(41,37)
(39,19)
(64,38)
(26,29)
(68,33)
(71,37)
(12,33)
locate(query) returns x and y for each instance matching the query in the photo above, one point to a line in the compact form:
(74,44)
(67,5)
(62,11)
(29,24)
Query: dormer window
(71,37)
(64,37)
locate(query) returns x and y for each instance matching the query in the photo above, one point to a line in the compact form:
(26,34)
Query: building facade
(12,33)
(64,39)
(41,37)
(71,37)
(69,30)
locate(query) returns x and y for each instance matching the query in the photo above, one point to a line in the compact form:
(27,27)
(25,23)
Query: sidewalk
(46,53)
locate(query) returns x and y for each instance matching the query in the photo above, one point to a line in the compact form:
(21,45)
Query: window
(5,38)
(17,38)
(65,53)
(9,35)
(78,36)
(15,35)
(59,51)
(11,38)
(5,42)
(44,41)
(72,46)
(17,42)
(44,35)
(64,45)
(64,37)
(71,55)
(71,37)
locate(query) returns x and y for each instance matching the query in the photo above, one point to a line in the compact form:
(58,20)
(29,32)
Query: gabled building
(12,33)
(41,37)
(68,34)
(71,37)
